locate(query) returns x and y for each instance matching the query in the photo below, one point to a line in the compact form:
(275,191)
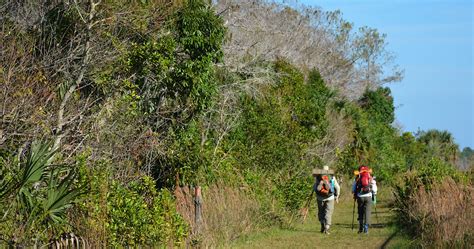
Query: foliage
(412,150)
(436,170)
(186,156)
(309,103)
(439,143)
(308,37)
(36,196)
(379,105)
(140,215)
(432,202)
(467,159)
(294,191)
(433,172)
(277,131)
(172,80)
(375,141)
(173,69)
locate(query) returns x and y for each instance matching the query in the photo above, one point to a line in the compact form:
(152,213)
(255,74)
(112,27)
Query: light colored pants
(325,209)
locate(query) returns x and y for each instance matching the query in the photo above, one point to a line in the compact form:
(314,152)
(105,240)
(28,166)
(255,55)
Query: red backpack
(363,181)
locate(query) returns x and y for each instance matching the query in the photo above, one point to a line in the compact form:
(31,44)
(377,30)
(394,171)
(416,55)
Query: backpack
(364,180)
(328,186)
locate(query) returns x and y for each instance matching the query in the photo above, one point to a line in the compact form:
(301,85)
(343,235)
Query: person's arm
(337,190)
(354,189)
(320,186)
(373,184)
(374,187)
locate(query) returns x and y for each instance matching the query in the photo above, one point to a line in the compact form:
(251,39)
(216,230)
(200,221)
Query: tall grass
(439,214)
(228,213)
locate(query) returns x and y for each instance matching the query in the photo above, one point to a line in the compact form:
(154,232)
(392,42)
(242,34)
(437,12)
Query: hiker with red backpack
(327,191)
(364,188)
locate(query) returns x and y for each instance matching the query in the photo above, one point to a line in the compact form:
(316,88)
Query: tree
(440,144)
(466,161)
(307,37)
(370,51)
(379,105)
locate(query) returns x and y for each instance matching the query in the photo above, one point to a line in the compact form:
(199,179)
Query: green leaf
(60,196)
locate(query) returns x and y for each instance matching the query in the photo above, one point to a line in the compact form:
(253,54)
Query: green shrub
(436,170)
(176,66)
(379,105)
(35,195)
(294,191)
(141,215)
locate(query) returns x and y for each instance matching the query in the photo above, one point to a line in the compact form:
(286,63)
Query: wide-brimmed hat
(324,171)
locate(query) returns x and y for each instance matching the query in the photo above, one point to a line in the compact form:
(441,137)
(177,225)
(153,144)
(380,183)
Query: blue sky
(433,42)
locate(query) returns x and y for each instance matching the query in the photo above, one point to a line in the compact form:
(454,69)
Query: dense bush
(292,192)
(35,195)
(433,204)
(375,141)
(140,215)
(135,214)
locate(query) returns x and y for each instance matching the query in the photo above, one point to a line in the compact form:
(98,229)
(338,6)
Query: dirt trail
(382,234)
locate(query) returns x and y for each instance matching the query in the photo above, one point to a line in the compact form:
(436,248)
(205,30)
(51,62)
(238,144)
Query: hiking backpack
(363,181)
(328,186)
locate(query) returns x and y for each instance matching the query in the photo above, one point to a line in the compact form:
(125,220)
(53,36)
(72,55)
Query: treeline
(110,107)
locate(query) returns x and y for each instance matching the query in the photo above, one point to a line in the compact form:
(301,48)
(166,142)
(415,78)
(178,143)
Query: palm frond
(60,196)
(38,158)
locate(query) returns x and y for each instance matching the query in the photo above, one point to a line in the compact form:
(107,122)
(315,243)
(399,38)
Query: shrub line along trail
(382,234)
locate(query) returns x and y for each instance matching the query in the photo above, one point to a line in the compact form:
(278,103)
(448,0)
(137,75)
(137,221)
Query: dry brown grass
(228,212)
(444,214)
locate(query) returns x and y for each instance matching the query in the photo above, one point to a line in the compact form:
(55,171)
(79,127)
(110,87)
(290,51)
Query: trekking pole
(307,206)
(353,212)
(376,216)
(375,206)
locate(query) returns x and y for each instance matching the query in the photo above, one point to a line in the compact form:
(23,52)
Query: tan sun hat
(324,171)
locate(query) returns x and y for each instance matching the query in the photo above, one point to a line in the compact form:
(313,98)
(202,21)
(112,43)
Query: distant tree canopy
(349,60)
(440,143)
(379,105)
(467,159)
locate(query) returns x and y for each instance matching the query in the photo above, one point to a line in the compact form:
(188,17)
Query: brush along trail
(382,234)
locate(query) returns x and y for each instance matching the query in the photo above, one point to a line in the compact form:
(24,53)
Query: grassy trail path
(306,235)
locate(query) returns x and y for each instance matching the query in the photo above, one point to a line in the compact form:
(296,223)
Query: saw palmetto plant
(36,196)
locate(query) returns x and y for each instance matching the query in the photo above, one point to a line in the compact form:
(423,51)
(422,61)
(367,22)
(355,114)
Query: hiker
(364,188)
(327,191)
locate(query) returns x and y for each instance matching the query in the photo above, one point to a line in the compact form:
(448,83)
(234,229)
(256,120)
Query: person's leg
(367,202)
(321,214)
(360,213)
(368,211)
(328,216)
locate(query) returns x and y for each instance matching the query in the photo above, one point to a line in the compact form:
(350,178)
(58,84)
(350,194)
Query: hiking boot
(366,229)
(322,228)
(326,229)
(360,228)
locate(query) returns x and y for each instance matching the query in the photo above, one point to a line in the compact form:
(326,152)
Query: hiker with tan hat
(327,191)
